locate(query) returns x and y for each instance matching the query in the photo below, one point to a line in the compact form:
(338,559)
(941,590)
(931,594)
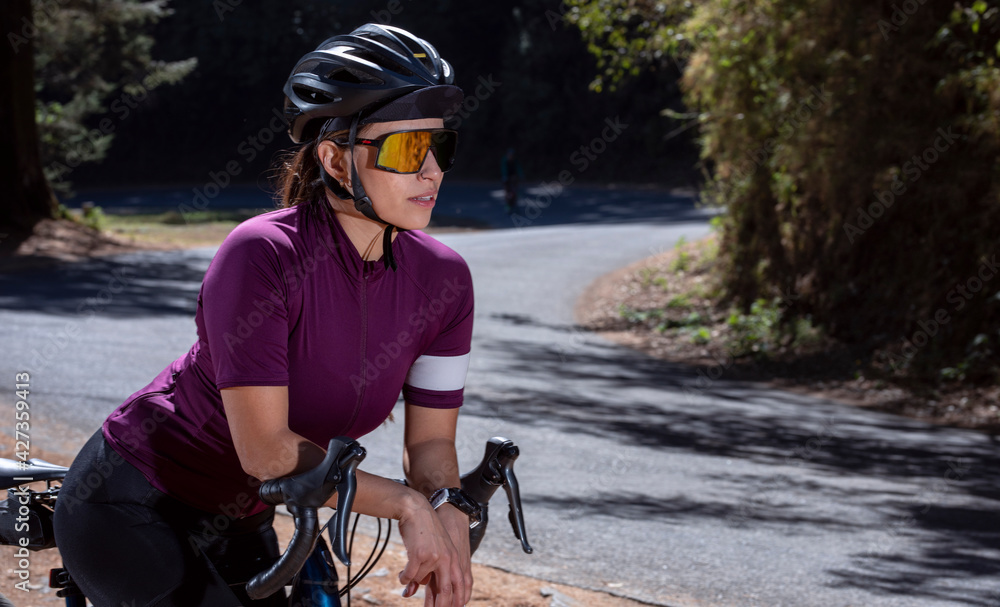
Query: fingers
(441,593)
(409,573)
(441,589)
(435,561)
(410,590)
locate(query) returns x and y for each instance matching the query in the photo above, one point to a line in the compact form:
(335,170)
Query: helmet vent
(352,76)
(311,95)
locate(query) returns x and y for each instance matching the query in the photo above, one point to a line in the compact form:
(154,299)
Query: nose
(431,169)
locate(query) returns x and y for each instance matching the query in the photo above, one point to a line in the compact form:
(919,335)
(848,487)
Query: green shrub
(682,262)
(755,332)
(93,216)
(679,302)
(701,336)
(852,153)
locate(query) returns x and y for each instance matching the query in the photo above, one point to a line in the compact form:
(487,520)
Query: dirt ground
(655,293)
(60,241)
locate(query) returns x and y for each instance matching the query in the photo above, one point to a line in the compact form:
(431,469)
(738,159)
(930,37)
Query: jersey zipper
(364,348)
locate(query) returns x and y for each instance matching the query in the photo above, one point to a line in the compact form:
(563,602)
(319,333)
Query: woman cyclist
(311,319)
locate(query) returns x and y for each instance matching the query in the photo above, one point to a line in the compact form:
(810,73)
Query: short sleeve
(437,377)
(245,310)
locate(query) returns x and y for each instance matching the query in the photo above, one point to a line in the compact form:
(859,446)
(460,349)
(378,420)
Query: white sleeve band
(439,372)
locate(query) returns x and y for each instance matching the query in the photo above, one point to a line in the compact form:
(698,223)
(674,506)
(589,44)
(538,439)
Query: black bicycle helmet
(348,73)
(359,73)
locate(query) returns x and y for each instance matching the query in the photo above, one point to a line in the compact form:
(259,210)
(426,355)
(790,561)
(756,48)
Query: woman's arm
(268,448)
(430,463)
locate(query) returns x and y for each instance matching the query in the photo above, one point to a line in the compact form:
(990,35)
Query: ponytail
(297,177)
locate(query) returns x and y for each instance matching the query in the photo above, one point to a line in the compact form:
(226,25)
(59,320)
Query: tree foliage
(93,64)
(856,149)
(543,105)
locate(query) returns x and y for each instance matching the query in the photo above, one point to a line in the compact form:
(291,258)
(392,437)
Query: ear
(335,160)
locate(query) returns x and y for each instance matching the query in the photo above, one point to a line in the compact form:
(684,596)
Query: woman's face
(404,200)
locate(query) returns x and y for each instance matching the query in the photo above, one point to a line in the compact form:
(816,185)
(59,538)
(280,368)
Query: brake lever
(303,494)
(494,471)
(347,488)
(516,513)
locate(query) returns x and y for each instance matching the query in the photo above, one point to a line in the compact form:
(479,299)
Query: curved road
(638,477)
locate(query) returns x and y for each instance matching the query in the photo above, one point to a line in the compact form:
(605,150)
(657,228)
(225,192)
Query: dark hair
(297,177)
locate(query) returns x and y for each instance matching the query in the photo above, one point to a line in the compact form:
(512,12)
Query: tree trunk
(27,196)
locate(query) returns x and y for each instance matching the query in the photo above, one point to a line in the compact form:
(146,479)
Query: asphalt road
(638,477)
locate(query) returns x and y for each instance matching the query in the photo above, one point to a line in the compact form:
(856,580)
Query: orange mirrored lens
(405,152)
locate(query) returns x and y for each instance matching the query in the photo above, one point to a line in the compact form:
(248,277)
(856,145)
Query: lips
(425,200)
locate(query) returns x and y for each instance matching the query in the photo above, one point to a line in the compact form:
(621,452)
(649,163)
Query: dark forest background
(544,106)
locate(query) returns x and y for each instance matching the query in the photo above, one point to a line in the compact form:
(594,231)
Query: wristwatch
(461,500)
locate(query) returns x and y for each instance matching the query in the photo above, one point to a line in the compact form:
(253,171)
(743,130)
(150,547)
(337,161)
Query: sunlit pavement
(637,477)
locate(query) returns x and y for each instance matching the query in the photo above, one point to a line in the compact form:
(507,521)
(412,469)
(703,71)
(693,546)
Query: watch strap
(461,500)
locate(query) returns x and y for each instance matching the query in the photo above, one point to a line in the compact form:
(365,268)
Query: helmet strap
(364,204)
(361,200)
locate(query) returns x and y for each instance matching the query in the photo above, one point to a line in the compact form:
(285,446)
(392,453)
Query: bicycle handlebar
(494,471)
(304,494)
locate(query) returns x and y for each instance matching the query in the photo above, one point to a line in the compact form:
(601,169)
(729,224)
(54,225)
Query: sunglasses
(405,151)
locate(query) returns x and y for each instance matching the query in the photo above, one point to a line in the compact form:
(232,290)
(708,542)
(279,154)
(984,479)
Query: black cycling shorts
(124,542)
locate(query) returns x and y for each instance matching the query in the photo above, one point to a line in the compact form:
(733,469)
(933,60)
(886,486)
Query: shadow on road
(813,447)
(143,284)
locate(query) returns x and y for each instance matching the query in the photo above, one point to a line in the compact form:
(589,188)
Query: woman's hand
(433,559)
(456,523)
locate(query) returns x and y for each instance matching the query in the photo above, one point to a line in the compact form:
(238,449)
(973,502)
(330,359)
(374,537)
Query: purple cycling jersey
(288,301)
